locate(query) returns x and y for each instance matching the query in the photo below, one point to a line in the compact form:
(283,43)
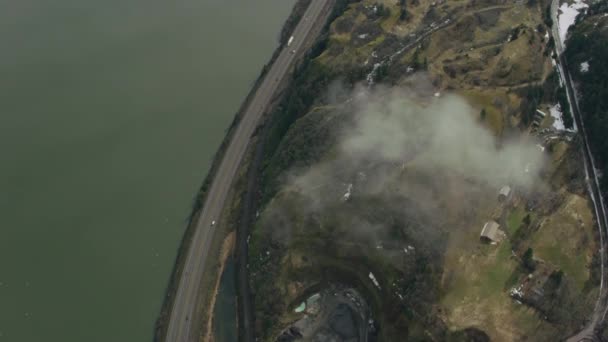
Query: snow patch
(556,113)
(584,66)
(374,280)
(567,17)
(558,119)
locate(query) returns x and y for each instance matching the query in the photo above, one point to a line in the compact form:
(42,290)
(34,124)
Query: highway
(181,327)
(588,333)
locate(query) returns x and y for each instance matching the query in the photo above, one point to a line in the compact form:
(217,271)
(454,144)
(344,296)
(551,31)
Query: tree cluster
(403,14)
(587,44)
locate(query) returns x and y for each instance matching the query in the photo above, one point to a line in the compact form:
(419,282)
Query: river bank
(225,252)
(161,323)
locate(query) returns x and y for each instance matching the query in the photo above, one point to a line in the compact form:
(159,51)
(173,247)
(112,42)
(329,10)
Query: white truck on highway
(290,41)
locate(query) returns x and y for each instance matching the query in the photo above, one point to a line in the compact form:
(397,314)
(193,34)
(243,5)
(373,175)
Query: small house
(504,194)
(491,232)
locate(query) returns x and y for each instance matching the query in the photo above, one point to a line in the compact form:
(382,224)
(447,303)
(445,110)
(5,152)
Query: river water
(110,112)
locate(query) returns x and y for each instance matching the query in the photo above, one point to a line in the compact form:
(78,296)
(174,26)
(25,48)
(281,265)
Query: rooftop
(491,231)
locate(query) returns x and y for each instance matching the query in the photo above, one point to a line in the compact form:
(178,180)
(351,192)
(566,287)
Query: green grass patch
(498,273)
(492,276)
(574,267)
(514,220)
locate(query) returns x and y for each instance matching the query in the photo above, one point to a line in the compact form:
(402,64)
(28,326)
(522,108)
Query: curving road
(588,333)
(181,326)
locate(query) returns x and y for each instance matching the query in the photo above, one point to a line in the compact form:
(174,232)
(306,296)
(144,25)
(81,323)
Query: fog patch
(395,128)
(402,158)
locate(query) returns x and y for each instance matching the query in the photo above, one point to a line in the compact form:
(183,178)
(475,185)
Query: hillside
(414,125)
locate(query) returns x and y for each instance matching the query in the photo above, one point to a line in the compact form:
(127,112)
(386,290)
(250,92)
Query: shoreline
(226,250)
(250,197)
(160,325)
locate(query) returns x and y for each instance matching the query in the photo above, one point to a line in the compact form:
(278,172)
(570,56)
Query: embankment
(160,327)
(276,123)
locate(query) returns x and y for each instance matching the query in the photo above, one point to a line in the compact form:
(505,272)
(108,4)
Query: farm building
(491,232)
(538,117)
(504,194)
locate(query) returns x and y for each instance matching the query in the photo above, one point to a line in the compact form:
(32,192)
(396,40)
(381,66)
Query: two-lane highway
(181,325)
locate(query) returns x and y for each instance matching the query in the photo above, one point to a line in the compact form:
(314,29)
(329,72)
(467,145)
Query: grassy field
(476,293)
(477,277)
(495,46)
(565,239)
(514,220)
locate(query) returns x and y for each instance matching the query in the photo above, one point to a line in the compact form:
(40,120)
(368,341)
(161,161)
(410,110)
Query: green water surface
(110,112)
